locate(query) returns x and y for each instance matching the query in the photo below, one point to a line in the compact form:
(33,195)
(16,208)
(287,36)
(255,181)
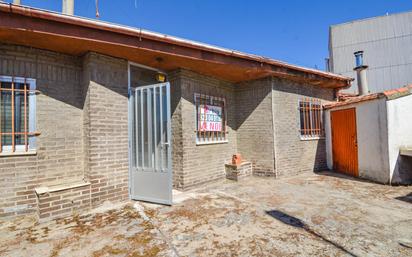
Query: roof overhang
(76,36)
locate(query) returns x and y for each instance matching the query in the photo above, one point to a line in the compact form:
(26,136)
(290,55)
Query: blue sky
(295,31)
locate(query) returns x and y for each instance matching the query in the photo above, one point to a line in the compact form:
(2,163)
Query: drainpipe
(17,2)
(68,7)
(361,73)
(327,65)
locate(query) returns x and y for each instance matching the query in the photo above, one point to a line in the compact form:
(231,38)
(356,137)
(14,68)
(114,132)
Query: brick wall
(106,127)
(81,114)
(59,203)
(177,133)
(263,127)
(255,124)
(59,147)
(202,163)
(293,155)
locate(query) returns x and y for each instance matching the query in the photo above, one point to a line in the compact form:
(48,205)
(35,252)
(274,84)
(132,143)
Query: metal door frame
(130,139)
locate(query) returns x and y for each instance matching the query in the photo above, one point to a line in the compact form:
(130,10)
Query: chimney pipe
(68,7)
(17,2)
(361,73)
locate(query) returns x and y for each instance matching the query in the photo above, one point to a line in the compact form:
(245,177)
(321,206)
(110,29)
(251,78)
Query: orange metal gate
(344,141)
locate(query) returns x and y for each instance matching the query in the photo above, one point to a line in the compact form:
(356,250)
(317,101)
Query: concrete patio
(309,215)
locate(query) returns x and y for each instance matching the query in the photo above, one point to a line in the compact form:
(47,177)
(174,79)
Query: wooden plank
(344,141)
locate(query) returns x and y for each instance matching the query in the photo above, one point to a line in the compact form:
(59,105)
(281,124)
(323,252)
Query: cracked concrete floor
(308,215)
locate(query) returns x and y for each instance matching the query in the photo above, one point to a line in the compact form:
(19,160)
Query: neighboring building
(370,136)
(85,119)
(387,45)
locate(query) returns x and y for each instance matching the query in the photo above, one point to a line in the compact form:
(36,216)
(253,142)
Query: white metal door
(150,127)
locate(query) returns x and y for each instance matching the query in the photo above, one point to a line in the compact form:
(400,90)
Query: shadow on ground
(297,223)
(407,198)
(322,214)
(336,174)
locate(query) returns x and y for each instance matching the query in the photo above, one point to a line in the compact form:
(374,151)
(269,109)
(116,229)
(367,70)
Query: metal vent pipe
(68,7)
(360,69)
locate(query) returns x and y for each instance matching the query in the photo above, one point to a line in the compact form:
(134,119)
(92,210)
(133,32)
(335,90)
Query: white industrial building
(387,45)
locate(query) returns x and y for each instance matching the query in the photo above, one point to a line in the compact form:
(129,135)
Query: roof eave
(272,67)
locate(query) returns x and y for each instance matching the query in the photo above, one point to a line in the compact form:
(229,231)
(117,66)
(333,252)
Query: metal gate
(150,127)
(344,141)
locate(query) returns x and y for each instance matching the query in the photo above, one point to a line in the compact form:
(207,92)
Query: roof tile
(347,99)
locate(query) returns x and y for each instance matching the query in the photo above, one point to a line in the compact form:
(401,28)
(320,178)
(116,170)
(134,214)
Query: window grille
(311,118)
(210,119)
(17,114)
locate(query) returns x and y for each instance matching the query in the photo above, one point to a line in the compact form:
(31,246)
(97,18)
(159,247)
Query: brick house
(82,112)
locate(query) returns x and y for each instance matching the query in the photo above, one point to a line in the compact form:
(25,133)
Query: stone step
(407,151)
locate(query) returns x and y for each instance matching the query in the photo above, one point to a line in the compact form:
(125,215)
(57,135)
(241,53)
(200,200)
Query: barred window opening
(17,109)
(210,119)
(311,118)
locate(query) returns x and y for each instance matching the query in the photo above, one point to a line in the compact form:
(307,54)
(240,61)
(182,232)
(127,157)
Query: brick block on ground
(59,201)
(238,172)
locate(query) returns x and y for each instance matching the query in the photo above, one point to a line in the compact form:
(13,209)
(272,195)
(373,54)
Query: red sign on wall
(210,118)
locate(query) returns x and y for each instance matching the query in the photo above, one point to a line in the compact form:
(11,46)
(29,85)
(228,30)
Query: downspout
(273,126)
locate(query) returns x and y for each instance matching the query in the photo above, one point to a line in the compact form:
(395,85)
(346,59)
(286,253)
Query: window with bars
(17,114)
(311,118)
(210,119)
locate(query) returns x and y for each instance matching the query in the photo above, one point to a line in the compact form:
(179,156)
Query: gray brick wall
(82,115)
(201,163)
(255,124)
(293,155)
(106,127)
(263,121)
(59,119)
(250,127)
(177,133)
